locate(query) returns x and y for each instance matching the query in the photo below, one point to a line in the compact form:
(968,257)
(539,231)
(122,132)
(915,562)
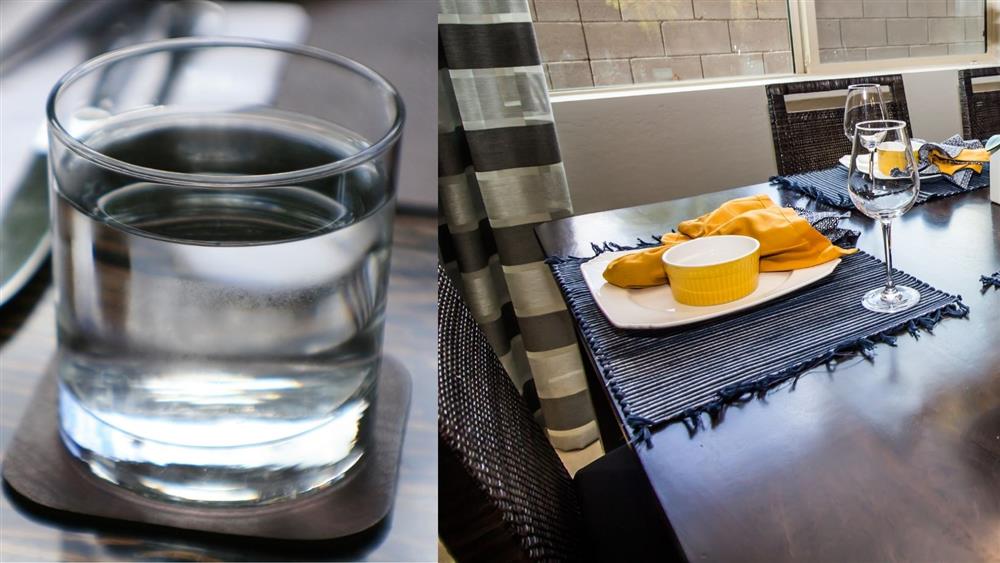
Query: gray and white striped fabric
(500,174)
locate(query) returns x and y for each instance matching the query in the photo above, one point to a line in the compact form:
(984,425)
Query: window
(850,31)
(597,43)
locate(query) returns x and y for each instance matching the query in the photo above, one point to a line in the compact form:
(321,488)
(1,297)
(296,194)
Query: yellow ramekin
(713,270)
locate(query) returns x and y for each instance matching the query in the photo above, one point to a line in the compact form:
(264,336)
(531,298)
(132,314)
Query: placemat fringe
(641,427)
(842,202)
(739,392)
(992,280)
(606,246)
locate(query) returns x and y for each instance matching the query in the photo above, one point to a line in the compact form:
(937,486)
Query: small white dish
(845,161)
(655,307)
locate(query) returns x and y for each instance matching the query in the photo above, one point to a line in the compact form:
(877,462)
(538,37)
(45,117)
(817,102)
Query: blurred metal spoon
(24,227)
(62,22)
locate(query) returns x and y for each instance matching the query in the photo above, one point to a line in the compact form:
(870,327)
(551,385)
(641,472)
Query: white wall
(648,147)
(932,98)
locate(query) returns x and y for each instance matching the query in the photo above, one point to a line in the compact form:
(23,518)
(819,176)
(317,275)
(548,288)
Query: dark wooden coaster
(39,469)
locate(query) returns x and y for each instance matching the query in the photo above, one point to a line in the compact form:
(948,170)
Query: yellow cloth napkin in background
(973,159)
(787,241)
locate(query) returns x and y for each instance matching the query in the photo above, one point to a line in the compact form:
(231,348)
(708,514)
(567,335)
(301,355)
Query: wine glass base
(881,301)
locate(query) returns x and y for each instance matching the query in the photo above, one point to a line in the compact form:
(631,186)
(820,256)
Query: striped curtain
(499,175)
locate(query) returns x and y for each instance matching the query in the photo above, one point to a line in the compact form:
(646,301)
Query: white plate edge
(815,273)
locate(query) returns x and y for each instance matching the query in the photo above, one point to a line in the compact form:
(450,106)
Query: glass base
(884,300)
(247,474)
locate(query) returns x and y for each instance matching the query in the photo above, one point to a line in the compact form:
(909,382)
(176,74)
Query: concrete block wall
(611,42)
(588,43)
(858,30)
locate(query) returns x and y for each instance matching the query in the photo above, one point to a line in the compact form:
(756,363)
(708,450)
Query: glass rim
(864,85)
(387,140)
(895,124)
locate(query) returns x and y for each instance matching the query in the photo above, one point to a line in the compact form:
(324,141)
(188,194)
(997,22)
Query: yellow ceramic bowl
(713,270)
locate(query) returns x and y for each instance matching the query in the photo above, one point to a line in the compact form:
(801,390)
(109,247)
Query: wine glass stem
(890,286)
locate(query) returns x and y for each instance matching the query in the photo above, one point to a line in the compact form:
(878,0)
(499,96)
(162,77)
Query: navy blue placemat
(829,186)
(660,376)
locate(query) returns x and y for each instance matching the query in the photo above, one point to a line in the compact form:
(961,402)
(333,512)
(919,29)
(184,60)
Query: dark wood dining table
(28,341)
(895,459)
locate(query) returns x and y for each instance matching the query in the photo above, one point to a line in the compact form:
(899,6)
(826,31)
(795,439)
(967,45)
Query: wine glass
(883,187)
(864,103)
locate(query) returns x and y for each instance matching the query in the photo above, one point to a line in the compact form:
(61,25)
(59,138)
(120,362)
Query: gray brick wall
(858,30)
(612,42)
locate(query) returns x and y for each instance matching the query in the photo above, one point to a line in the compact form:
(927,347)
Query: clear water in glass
(220,344)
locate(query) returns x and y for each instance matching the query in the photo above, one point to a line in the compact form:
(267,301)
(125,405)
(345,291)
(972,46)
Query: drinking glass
(222,214)
(864,103)
(883,186)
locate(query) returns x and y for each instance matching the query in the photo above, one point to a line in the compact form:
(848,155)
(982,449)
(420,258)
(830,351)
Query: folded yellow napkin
(973,159)
(787,241)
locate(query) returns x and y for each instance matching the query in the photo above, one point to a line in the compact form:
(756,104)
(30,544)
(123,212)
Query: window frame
(802,27)
(805,47)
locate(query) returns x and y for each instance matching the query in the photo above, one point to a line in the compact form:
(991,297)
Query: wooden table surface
(895,460)
(27,343)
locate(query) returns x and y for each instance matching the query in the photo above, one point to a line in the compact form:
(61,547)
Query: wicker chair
(504,495)
(814,139)
(980,110)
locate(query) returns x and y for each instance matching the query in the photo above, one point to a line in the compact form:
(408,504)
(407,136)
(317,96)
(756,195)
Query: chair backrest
(980,110)
(504,494)
(814,139)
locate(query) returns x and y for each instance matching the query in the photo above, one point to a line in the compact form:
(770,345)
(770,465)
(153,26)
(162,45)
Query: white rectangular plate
(845,161)
(655,307)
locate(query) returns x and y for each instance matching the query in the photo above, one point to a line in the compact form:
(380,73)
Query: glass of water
(222,215)
(883,184)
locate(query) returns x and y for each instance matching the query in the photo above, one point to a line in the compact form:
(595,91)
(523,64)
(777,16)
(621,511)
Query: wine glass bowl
(883,190)
(864,103)
(888,186)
